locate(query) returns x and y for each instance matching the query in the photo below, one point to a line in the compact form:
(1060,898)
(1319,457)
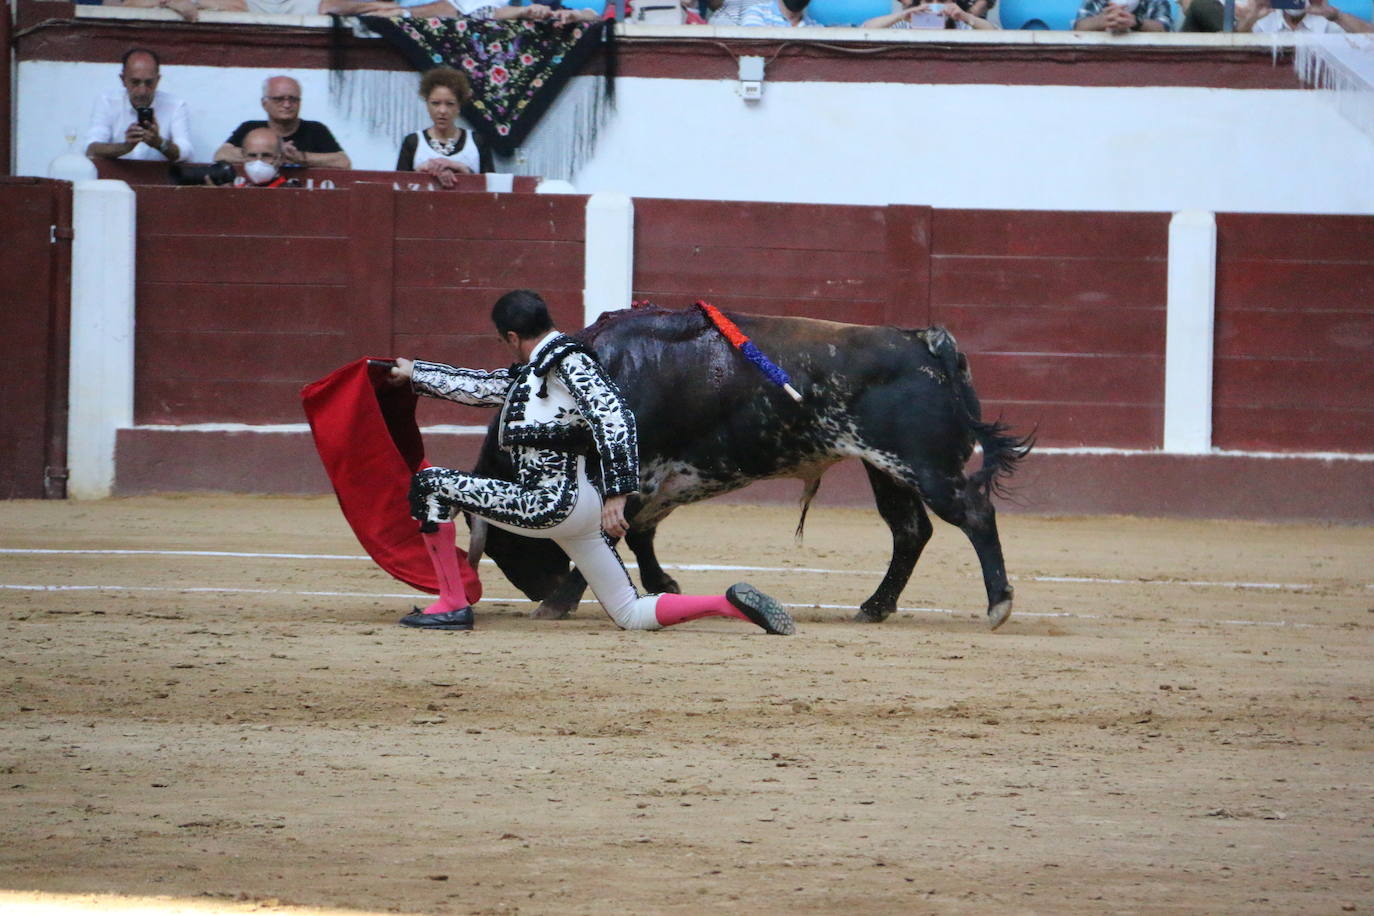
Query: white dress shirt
(113,114)
(1273,21)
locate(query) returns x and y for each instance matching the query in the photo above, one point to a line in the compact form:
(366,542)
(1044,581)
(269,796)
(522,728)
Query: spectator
(947,15)
(1318,16)
(190,10)
(307,143)
(443,149)
(787,13)
(1125,16)
(485,9)
(263,153)
(1208,15)
(726,12)
(119,130)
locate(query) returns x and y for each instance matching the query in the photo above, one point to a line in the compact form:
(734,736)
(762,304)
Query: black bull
(902,401)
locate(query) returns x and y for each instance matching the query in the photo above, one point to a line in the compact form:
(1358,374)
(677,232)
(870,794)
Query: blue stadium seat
(1361,9)
(1054,15)
(848,12)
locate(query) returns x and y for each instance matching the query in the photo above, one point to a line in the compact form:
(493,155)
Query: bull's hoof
(871,615)
(665,586)
(998,613)
(547,611)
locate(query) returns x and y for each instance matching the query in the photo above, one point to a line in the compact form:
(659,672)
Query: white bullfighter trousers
(539,512)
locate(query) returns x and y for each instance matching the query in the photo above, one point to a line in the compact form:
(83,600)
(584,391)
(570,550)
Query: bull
(901,401)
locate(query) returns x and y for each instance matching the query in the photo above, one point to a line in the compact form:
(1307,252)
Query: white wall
(1000,147)
(1014,147)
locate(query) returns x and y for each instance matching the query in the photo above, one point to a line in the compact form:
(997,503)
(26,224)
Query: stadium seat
(1053,15)
(848,12)
(1360,9)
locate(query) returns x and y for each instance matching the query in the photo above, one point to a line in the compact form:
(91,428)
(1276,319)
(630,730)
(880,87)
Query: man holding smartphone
(138,121)
(1317,16)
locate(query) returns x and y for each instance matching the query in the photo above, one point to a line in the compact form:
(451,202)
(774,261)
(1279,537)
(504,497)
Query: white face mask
(1128,5)
(259,171)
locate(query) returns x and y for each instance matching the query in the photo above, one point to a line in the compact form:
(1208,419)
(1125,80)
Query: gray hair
(279,76)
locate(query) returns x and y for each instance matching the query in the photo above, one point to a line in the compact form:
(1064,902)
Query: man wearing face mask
(1124,16)
(139,121)
(262,158)
(1316,17)
(785,13)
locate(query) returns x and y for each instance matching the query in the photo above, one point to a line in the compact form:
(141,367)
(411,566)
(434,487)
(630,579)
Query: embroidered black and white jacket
(561,401)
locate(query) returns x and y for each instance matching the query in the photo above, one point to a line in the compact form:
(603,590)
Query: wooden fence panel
(1295,333)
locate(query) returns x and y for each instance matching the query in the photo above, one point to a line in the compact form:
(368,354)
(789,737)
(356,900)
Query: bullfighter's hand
(402,372)
(613,516)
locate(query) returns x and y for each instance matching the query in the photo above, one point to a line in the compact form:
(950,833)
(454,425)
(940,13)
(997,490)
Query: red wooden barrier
(140,174)
(243,296)
(1295,333)
(35,260)
(1062,313)
(1062,316)
(813,260)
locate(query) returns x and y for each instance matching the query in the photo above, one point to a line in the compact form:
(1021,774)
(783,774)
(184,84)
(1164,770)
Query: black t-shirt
(310,136)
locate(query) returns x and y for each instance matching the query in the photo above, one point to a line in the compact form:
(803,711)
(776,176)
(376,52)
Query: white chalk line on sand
(679,567)
(416,596)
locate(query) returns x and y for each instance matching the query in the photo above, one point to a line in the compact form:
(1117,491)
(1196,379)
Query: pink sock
(440,547)
(675,609)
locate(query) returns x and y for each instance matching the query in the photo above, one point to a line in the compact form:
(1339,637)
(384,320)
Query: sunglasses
(284,99)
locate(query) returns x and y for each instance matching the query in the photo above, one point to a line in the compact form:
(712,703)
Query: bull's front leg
(900,506)
(651,574)
(564,598)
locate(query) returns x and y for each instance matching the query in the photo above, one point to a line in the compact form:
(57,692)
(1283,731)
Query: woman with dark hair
(443,149)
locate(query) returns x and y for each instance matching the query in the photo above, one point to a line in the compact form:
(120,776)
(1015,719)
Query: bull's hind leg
(900,506)
(640,539)
(970,509)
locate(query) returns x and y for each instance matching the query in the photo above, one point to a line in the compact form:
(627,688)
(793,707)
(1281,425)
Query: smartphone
(1291,6)
(145,116)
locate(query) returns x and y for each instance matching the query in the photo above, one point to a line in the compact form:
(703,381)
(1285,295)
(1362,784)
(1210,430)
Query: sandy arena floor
(1177,717)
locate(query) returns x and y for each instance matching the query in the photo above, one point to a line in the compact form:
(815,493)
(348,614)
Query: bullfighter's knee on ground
(601,567)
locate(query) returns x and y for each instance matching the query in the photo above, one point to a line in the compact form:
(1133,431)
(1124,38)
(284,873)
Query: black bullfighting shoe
(760,608)
(460,619)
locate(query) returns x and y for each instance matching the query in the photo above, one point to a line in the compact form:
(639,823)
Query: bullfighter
(558,410)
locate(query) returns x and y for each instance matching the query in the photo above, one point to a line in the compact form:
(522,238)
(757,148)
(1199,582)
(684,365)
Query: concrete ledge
(631,31)
(1217,485)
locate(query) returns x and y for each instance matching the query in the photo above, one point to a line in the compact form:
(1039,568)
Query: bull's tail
(1002,449)
(809,488)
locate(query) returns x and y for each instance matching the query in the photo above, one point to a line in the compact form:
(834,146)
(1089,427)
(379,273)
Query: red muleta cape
(366,435)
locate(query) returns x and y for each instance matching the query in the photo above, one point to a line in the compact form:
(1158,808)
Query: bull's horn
(477,539)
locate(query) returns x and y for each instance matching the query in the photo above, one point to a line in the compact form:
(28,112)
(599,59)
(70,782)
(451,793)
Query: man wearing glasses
(307,143)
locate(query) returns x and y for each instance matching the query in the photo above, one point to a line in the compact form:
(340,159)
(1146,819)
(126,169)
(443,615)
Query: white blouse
(468,155)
